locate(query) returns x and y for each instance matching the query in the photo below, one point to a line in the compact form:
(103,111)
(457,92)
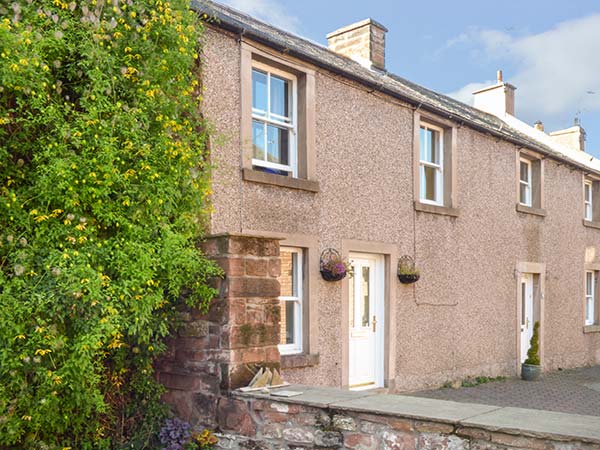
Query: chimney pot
(498,99)
(539,125)
(573,137)
(363,42)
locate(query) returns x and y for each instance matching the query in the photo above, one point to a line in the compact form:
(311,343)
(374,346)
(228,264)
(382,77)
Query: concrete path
(575,391)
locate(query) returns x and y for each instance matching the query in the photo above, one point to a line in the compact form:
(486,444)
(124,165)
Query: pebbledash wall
(461,317)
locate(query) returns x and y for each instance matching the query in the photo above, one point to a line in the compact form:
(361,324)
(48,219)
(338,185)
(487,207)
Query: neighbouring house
(319,148)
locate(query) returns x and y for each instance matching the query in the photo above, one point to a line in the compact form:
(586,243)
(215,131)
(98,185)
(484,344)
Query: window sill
(591,328)
(436,209)
(299,360)
(531,210)
(256,176)
(590,224)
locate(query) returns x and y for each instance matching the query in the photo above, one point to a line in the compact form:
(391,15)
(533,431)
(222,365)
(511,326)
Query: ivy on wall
(104,189)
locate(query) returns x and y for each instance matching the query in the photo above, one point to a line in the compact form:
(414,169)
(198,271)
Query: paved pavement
(574,391)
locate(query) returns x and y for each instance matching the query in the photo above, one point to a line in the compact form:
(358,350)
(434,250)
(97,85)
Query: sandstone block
(391,440)
(196,328)
(257,267)
(233,415)
(180,382)
(359,441)
(343,423)
(298,435)
(436,441)
(518,441)
(328,438)
(433,427)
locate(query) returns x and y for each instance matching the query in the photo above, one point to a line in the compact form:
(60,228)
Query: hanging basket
(332,266)
(407,273)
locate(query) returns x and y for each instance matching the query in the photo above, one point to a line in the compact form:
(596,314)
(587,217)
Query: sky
(550,50)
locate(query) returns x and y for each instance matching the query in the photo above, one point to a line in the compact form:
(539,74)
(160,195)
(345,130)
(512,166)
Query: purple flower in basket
(338,268)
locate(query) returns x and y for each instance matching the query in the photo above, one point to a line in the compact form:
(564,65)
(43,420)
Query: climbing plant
(104,189)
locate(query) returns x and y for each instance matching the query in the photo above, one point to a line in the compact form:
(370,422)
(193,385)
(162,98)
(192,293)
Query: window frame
(528,184)
(439,168)
(588,205)
(267,119)
(298,278)
(590,298)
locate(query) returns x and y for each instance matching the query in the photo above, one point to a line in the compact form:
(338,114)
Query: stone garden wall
(265,424)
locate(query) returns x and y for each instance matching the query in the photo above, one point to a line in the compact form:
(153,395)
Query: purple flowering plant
(176,435)
(337,266)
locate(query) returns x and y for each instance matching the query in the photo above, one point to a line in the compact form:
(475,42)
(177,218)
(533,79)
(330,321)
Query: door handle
(374,324)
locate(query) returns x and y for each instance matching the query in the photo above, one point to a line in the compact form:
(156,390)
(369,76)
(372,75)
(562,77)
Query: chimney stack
(539,126)
(363,42)
(498,99)
(573,137)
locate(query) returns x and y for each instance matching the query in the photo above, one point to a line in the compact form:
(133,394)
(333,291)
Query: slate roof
(233,20)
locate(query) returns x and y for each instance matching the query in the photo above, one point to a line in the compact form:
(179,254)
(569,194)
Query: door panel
(365,300)
(526,313)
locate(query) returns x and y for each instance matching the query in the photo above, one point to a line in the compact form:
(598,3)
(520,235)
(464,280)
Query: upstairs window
(588,200)
(525,187)
(431,165)
(530,183)
(274,121)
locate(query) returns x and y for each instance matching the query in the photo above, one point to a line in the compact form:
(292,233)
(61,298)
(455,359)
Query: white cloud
(269,11)
(465,93)
(556,70)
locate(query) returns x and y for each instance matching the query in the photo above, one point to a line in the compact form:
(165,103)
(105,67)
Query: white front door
(526,313)
(366,321)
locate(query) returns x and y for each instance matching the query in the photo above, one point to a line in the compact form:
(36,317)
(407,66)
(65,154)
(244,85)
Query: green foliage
(103,194)
(408,270)
(476,381)
(533,354)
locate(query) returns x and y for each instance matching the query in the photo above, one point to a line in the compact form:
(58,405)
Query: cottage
(318,149)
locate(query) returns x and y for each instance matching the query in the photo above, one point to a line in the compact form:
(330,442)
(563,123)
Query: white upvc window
(587,200)
(291,300)
(274,120)
(525,194)
(590,296)
(431,164)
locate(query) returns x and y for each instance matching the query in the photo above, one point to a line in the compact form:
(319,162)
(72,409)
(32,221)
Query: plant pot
(328,275)
(408,278)
(529,372)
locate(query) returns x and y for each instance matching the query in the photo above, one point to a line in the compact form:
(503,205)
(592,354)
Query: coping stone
(319,397)
(538,423)
(415,407)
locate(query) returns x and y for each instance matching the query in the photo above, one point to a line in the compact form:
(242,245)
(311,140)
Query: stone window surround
(449,207)
(537,183)
(310,305)
(595,327)
(539,290)
(306,118)
(595,222)
(390,253)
